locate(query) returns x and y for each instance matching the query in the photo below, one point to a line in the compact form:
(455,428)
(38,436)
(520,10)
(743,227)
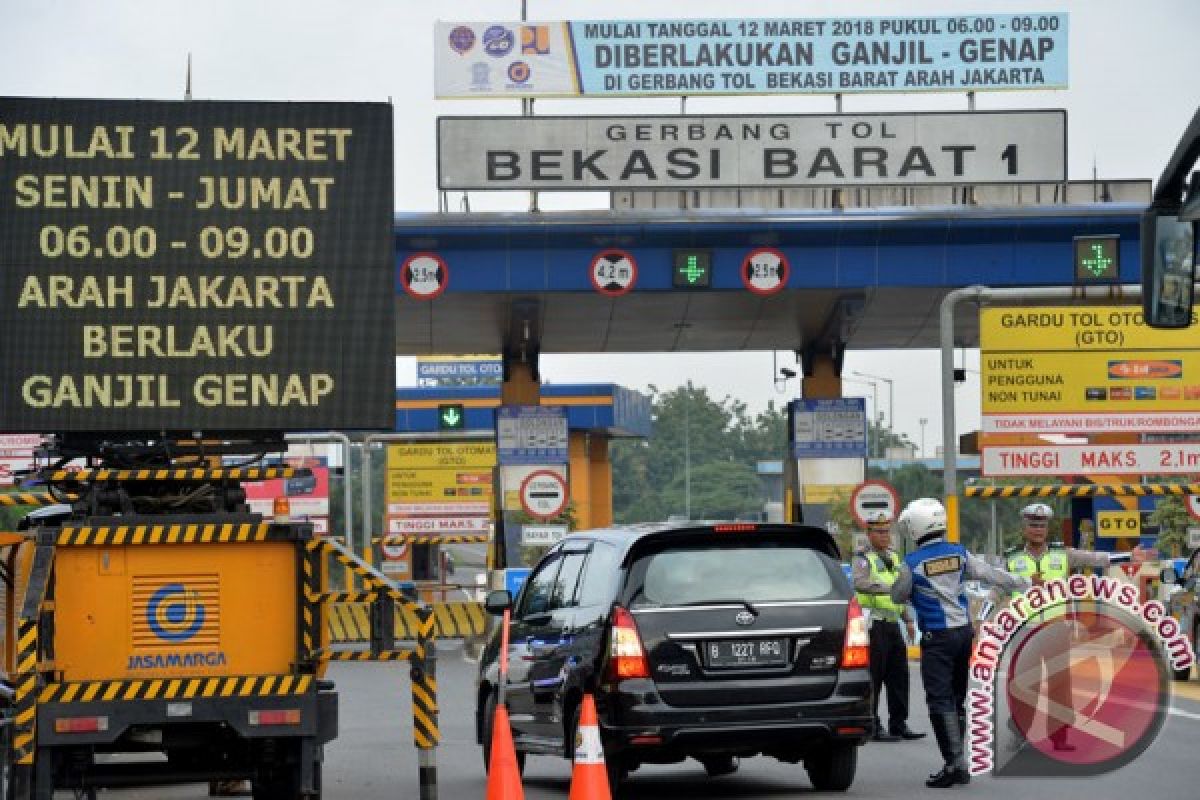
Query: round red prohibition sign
(424,276)
(613,272)
(765,270)
(395,552)
(544,494)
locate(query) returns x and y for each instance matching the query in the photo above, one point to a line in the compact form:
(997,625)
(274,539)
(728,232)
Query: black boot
(950,743)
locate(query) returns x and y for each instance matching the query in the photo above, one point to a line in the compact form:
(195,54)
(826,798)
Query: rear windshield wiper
(724,602)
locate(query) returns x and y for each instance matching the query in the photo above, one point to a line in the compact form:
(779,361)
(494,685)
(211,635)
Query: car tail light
(856,650)
(284,716)
(626,658)
(80,724)
(738,527)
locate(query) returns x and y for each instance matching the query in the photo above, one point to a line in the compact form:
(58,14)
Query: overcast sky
(1132,76)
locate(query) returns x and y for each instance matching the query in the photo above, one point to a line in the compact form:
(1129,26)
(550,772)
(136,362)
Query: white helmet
(922,517)
(1037,511)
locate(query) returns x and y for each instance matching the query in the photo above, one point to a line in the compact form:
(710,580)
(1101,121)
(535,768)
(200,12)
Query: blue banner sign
(439,370)
(1020,50)
(531,435)
(835,428)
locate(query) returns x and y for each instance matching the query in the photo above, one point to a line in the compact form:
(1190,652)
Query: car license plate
(746,653)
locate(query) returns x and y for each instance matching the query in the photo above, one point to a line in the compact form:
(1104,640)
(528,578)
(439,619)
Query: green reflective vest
(882,606)
(1053,565)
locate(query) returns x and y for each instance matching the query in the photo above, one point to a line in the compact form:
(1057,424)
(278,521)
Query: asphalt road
(373,759)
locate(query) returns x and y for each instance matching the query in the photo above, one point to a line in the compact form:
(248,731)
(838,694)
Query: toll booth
(596,414)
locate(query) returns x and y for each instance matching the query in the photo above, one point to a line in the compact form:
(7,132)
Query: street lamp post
(891,398)
(922,422)
(875,408)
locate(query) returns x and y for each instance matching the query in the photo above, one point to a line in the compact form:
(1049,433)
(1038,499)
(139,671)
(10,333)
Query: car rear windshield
(756,573)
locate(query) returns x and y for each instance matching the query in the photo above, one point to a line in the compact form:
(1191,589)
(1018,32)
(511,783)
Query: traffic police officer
(874,570)
(932,577)
(1041,562)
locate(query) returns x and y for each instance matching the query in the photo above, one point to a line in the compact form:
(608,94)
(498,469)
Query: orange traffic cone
(589,778)
(504,779)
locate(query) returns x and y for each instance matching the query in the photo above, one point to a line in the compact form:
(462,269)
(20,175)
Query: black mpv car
(709,641)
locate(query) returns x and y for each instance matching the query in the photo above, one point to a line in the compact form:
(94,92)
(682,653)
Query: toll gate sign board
(1087,369)
(748,56)
(752,151)
(195,266)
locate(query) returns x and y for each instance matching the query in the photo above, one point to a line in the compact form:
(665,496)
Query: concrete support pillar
(580,478)
(601,480)
(822,378)
(520,388)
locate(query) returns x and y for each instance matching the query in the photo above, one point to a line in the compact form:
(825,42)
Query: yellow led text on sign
(1119,524)
(131,222)
(1085,359)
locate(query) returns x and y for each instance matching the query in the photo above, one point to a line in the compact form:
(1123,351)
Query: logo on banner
(424,275)
(765,271)
(462,39)
(535,40)
(614,272)
(1084,668)
(519,72)
(1145,370)
(175,614)
(497,41)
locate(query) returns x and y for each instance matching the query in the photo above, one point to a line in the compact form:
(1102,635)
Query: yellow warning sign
(435,455)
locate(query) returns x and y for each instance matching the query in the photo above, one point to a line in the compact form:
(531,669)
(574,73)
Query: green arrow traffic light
(451,417)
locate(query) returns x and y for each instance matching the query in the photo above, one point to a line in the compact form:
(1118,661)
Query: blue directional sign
(531,435)
(834,428)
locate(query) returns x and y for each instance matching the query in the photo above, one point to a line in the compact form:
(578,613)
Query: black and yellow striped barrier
(25,721)
(351,622)
(367,655)
(193,474)
(176,688)
(28,499)
(425,710)
(1084,490)
(433,538)
(162,534)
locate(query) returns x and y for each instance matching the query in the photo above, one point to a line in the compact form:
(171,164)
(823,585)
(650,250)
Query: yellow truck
(150,649)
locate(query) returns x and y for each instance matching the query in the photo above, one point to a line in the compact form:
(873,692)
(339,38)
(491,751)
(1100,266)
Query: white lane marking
(1179,713)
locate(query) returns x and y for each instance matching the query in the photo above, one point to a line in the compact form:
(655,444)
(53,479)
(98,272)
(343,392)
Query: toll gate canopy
(855,278)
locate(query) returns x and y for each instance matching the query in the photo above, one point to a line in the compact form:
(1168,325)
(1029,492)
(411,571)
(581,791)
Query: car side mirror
(497,602)
(1168,269)
(1168,576)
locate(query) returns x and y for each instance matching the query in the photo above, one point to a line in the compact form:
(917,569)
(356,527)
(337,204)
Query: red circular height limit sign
(613,272)
(765,270)
(424,276)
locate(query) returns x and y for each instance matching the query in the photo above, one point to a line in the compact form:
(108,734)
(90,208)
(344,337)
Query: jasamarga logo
(1086,684)
(209,659)
(175,613)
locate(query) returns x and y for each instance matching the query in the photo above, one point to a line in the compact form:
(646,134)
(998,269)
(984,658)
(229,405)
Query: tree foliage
(1173,520)
(701,458)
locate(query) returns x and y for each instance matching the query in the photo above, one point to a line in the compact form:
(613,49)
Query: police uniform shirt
(1076,559)
(864,579)
(932,578)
